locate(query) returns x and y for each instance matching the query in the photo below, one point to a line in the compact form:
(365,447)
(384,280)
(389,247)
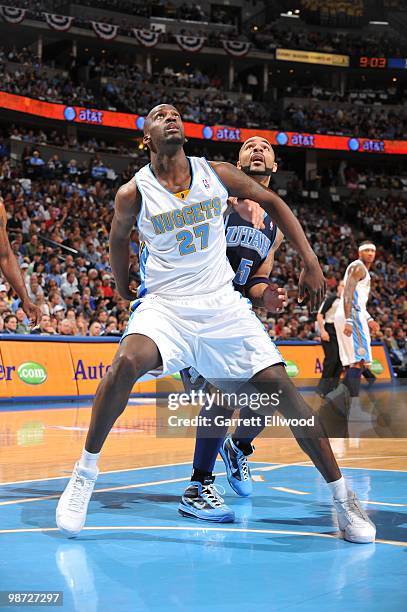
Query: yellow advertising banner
(91,362)
(62,369)
(32,369)
(312,57)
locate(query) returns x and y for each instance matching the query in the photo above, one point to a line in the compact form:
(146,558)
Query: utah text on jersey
(238,235)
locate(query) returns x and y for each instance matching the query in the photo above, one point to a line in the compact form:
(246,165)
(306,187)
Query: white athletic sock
(339,489)
(89,461)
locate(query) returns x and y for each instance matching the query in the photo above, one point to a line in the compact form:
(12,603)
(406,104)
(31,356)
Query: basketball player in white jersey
(187,312)
(352,320)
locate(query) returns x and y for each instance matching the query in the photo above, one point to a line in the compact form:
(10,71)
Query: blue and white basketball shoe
(237,468)
(203,501)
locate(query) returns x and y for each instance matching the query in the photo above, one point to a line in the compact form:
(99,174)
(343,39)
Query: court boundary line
(347,467)
(333,536)
(136,485)
(139,485)
(265,463)
(146,467)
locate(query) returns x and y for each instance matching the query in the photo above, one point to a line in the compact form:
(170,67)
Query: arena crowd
(201,99)
(59,225)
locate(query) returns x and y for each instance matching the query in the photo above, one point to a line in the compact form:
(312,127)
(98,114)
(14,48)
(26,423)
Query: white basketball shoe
(73,504)
(353,520)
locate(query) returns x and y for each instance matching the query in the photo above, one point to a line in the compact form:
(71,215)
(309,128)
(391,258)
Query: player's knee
(275,373)
(127,366)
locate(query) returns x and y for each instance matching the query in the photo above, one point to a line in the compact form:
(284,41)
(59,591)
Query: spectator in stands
(44,328)
(22,322)
(34,288)
(95,329)
(65,327)
(70,285)
(58,311)
(10,324)
(37,163)
(106,286)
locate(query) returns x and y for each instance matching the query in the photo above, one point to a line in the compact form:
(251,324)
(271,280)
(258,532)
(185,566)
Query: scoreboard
(372,62)
(365,61)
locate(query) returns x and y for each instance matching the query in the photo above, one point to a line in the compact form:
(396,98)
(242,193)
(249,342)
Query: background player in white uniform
(352,320)
(189,314)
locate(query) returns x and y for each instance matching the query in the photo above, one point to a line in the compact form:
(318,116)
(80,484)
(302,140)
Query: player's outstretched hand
(312,281)
(275,298)
(33,313)
(249,211)
(374,327)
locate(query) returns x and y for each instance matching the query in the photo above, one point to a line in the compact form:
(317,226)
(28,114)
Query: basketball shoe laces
(212,495)
(354,511)
(79,493)
(243,466)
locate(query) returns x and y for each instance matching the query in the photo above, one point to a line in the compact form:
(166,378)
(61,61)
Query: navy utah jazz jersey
(247,247)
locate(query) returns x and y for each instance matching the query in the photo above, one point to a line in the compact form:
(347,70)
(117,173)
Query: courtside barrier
(71,367)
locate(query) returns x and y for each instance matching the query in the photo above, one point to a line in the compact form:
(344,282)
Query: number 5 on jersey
(187,244)
(242,273)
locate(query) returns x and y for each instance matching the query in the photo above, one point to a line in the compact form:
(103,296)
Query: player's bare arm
(242,186)
(321,324)
(268,295)
(127,206)
(356,274)
(11,270)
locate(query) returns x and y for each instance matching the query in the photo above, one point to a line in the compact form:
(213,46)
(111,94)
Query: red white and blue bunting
(106,31)
(147,38)
(192,44)
(236,48)
(12,14)
(62,23)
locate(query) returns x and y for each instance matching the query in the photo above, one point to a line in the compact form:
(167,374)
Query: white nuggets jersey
(356,347)
(183,243)
(362,290)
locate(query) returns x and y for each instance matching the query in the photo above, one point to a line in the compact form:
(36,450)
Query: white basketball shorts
(356,347)
(218,334)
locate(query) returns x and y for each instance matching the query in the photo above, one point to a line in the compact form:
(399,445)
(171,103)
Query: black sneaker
(203,501)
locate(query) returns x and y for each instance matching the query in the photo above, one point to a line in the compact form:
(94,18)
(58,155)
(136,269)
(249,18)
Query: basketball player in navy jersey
(188,314)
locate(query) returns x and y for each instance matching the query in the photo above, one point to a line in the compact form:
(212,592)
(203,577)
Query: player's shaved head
(255,139)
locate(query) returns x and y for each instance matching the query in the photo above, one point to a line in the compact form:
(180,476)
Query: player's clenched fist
(373,326)
(275,298)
